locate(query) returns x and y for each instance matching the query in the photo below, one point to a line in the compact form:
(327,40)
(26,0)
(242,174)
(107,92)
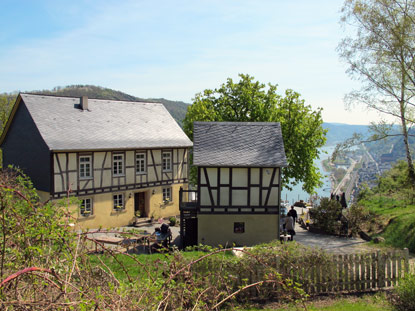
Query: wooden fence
(340,273)
(355,272)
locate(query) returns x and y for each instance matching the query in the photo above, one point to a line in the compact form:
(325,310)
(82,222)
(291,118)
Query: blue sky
(175,49)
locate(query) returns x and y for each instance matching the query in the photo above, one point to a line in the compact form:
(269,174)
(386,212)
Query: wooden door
(140,203)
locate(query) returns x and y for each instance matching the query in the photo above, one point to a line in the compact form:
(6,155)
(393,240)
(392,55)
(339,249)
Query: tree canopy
(380,54)
(251,101)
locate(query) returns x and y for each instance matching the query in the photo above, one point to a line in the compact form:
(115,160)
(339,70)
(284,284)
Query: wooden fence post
(406,260)
(340,274)
(394,257)
(381,269)
(346,272)
(362,272)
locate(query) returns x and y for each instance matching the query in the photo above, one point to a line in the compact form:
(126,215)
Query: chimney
(84,102)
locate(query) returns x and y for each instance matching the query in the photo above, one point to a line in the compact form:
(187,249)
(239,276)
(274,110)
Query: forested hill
(337,131)
(176,108)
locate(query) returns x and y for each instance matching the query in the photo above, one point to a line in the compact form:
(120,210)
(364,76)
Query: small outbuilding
(239,184)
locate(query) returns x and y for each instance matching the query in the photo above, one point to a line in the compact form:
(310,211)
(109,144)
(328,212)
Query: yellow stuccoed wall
(104,216)
(43,196)
(218,229)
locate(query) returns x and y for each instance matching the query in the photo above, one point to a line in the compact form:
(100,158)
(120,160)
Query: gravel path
(330,243)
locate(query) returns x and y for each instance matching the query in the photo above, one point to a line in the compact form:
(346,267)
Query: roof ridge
(250,123)
(89,98)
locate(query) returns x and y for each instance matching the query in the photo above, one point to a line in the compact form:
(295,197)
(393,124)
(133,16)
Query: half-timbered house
(239,184)
(119,158)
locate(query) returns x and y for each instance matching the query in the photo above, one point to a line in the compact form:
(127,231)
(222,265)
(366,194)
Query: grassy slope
(399,219)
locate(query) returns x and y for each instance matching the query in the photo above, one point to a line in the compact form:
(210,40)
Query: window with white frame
(118,201)
(85,167)
(167,195)
(140,162)
(86,207)
(118,164)
(166,161)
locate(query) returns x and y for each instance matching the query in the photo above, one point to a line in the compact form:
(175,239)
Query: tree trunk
(402,106)
(411,170)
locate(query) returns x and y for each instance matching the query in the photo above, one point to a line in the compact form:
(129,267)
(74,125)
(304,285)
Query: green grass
(365,303)
(142,266)
(399,218)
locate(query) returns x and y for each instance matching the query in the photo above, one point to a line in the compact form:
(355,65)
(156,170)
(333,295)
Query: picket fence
(359,272)
(352,272)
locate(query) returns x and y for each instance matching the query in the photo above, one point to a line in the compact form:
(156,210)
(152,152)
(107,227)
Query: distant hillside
(338,132)
(176,108)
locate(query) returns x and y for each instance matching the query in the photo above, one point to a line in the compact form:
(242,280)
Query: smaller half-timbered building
(239,184)
(121,159)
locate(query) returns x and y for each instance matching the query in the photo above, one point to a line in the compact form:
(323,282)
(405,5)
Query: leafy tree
(6,104)
(250,101)
(381,56)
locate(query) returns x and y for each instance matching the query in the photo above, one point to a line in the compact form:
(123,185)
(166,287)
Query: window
(118,164)
(118,201)
(140,163)
(86,207)
(238,227)
(167,195)
(85,167)
(166,161)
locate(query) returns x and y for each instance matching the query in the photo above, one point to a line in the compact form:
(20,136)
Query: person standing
(289,226)
(293,214)
(343,200)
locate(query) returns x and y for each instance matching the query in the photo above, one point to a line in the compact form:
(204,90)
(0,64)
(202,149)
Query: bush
(403,296)
(172,221)
(326,216)
(358,215)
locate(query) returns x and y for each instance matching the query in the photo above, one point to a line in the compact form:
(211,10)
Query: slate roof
(240,144)
(107,124)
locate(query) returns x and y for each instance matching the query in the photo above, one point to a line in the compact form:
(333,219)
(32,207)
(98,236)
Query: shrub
(172,221)
(358,215)
(326,216)
(403,296)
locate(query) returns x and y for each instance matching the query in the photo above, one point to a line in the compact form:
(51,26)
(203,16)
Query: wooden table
(124,242)
(107,240)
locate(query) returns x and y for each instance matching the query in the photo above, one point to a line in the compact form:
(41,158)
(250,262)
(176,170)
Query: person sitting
(163,237)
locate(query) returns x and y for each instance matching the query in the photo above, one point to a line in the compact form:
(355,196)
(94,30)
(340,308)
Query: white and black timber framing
(98,183)
(215,205)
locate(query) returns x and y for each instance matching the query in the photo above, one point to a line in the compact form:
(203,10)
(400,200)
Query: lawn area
(140,266)
(376,302)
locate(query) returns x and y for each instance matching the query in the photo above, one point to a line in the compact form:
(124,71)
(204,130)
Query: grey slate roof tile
(241,144)
(107,124)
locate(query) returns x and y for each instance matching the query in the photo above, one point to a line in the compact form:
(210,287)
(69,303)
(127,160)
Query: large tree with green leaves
(380,54)
(250,101)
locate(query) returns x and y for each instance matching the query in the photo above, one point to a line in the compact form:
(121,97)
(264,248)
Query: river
(298,194)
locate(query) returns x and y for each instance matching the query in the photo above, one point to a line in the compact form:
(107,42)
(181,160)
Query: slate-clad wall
(23,147)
